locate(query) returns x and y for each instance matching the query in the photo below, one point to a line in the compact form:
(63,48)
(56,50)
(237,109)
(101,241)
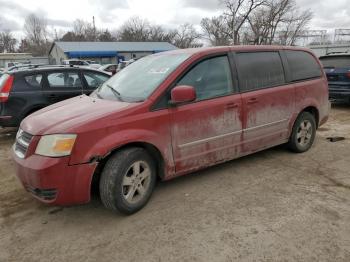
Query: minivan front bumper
(53,180)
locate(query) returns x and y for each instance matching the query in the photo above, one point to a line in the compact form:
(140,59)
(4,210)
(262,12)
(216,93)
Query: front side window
(64,79)
(210,78)
(302,65)
(34,80)
(94,80)
(259,70)
(138,80)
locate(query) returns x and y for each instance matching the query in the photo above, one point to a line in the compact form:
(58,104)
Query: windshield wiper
(98,95)
(115,92)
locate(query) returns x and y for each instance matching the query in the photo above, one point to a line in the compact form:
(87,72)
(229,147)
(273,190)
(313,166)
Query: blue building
(105,52)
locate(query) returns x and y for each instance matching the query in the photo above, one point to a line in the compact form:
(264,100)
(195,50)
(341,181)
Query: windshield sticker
(158,70)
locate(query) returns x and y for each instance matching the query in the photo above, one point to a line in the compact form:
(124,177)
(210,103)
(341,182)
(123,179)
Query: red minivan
(167,115)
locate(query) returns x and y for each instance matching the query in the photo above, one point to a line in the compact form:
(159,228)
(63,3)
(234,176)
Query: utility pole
(94,27)
(56,36)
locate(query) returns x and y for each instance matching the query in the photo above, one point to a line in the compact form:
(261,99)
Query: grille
(22,143)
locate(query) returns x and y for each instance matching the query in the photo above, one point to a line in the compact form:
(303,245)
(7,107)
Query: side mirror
(182,94)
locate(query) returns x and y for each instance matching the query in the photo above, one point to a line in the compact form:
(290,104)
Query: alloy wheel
(136,182)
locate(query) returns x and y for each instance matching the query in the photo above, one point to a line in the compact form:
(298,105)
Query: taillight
(348,75)
(6,88)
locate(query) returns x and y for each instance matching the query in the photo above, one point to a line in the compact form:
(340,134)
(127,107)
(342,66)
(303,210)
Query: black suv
(337,69)
(29,89)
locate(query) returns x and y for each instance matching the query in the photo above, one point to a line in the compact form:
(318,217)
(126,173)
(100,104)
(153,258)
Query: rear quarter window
(302,65)
(33,80)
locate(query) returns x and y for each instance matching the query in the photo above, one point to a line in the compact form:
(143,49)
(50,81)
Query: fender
(309,102)
(113,140)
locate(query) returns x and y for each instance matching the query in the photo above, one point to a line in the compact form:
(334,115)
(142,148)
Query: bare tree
(276,22)
(79,27)
(105,36)
(134,29)
(236,14)
(216,30)
(186,37)
(137,29)
(35,29)
(7,42)
(295,24)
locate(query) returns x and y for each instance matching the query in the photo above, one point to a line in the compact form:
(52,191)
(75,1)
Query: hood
(64,116)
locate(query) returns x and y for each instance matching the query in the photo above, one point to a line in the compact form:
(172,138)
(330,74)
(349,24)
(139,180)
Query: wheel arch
(314,111)
(151,149)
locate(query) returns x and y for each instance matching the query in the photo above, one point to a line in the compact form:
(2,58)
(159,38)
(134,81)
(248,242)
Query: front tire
(127,180)
(303,133)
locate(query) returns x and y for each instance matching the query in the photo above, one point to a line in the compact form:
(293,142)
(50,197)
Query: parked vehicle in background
(95,66)
(123,64)
(337,68)
(109,68)
(169,114)
(25,91)
(16,64)
(75,62)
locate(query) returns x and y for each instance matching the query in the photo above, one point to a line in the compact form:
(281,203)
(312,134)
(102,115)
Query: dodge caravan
(167,115)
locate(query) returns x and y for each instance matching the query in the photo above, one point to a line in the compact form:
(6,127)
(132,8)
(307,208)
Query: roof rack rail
(33,66)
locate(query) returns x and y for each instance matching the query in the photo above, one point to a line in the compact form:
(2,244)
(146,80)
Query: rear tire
(127,180)
(303,133)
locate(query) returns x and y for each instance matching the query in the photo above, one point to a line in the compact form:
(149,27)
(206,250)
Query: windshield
(335,61)
(138,80)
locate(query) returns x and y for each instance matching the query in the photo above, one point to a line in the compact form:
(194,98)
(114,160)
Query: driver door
(209,129)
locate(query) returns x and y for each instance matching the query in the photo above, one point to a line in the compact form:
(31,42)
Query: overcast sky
(169,13)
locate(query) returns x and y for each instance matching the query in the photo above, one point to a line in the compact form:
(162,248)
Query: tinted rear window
(302,65)
(335,61)
(259,70)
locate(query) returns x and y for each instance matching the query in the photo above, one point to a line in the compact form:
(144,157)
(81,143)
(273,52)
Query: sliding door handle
(252,100)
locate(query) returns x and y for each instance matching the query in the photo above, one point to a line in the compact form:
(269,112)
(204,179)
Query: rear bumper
(338,92)
(8,121)
(53,180)
(325,117)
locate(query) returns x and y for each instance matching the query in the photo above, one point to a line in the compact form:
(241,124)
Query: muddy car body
(183,111)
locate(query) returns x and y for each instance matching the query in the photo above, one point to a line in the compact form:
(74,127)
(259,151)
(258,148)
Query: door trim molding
(209,139)
(266,125)
(200,141)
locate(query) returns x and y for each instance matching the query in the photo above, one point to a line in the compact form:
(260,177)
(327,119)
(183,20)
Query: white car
(79,62)
(109,67)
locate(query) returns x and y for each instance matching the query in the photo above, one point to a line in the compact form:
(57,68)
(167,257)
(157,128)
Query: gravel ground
(270,206)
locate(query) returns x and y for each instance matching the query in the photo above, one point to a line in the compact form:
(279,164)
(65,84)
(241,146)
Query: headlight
(56,145)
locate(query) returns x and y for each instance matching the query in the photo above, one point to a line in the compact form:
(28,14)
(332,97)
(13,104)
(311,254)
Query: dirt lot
(271,206)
